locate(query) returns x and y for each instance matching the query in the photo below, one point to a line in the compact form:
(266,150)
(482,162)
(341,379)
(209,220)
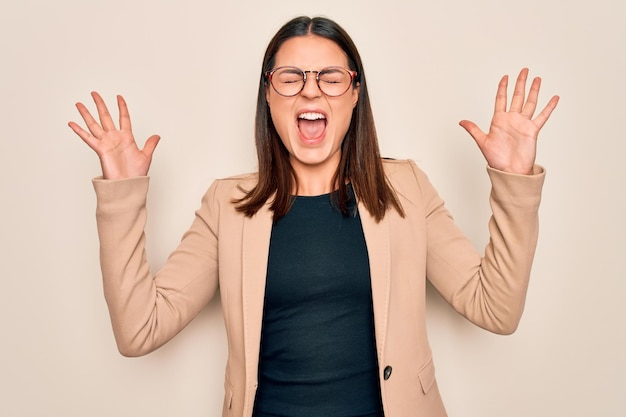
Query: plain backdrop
(189,71)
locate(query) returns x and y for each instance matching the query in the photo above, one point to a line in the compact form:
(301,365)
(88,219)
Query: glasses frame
(270,74)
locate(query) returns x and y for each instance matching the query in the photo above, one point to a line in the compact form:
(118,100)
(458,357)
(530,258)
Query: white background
(189,71)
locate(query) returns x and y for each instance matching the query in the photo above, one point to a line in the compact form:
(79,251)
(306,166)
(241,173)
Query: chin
(317,157)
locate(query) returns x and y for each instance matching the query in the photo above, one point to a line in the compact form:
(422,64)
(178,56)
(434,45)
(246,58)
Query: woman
(321,256)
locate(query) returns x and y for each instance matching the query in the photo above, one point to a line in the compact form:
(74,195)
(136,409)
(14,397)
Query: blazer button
(387,372)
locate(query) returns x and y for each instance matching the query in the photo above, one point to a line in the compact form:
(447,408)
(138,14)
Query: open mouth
(312,125)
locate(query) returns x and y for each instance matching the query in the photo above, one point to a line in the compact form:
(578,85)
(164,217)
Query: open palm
(120,157)
(511,143)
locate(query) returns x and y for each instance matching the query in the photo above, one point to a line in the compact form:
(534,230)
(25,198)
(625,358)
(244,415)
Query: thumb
(151,144)
(472,129)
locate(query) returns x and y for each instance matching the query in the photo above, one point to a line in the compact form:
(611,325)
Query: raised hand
(118,152)
(511,143)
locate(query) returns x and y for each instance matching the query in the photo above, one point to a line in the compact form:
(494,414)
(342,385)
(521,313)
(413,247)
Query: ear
(355,94)
(267,95)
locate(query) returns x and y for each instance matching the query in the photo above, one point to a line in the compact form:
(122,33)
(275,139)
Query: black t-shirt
(318,350)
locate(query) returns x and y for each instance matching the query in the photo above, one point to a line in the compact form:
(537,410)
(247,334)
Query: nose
(311,89)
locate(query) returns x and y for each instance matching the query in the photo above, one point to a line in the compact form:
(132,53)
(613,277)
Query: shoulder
(218,202)
(408,180)
(401,171)
(393,166)
(223,191)
(234,186)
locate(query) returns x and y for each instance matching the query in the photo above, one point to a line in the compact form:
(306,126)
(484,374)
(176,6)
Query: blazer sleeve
(488,289)
(147,310)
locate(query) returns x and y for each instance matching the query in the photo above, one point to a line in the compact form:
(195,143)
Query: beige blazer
(226,250)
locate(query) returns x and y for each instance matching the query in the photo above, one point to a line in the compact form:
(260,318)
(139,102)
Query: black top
(318,351)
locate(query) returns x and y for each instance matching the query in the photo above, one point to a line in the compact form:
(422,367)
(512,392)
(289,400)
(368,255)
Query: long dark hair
(360,156)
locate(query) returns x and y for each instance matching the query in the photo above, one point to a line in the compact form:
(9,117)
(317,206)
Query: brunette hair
(360,163)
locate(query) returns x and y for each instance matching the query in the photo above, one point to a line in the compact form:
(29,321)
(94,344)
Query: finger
(543,117)
(92,124)
(531,102)
(124,115)
(84,135)
(501,94)
(151,144)
(518,93)
(103,112)
(473,130)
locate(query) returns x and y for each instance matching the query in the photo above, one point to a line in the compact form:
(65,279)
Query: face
(312,125)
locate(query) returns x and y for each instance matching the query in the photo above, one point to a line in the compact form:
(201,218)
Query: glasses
(290,81)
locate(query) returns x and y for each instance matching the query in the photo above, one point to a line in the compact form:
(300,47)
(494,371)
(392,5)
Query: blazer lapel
(255,249)
(378,248)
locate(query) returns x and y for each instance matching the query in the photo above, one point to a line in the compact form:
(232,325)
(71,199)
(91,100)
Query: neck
(314,181)
(313,188)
